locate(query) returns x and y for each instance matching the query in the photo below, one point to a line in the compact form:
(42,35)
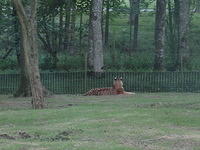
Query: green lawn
(157,121)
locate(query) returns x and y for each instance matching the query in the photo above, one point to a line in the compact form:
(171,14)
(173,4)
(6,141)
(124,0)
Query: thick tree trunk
(95,37)
(134,24)
(107,23)
(160,34)
(24,90)
(184,20)
(27,19)
(90,54)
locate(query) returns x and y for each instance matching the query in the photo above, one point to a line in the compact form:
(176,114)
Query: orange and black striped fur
(115,90)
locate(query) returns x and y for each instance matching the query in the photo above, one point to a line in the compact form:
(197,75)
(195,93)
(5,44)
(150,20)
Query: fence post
(182,75)
(86,55)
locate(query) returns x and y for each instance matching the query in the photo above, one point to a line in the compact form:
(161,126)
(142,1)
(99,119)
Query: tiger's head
(118,85)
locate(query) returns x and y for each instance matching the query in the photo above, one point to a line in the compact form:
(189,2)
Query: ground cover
(162,121)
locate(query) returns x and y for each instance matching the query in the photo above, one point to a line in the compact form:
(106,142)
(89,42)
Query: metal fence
(79,82)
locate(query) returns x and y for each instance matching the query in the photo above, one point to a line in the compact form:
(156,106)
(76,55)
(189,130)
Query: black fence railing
(79,82)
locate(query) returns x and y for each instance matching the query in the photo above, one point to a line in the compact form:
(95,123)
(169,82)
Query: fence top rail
(117,72)
(17,73)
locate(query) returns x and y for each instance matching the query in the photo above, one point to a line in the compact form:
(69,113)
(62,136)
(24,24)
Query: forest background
(128,36)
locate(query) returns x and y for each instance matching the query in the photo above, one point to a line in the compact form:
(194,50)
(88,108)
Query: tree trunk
(61,29)
(176,33)
(172,37)
(17,39)
(102,23)
(160,34)
(197,6)
(72,49)
(81,32)
(95,37)
(184,20)
(107,23)
(134,24)
(24,90)
(67,24)
(90,55)
(1,7)
(27,19)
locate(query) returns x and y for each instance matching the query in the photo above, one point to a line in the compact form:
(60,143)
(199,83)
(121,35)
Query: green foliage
(147,4)
(65,63)
(46,63)
(117,55)
(8,64)
(119,60)
(71,63)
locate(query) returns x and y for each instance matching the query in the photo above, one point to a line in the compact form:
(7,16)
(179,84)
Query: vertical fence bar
(5,88)
(1,85)
(74,83)
(62,83)
(142,82)
(196,81)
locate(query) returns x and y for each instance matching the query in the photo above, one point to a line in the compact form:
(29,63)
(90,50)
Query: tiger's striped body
(104,91)
(115,90)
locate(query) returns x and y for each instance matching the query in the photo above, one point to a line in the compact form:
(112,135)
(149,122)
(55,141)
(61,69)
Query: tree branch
(21,12)
(7,54)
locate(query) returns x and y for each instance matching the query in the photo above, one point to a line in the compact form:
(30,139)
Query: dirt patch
(191,105)
(15,105)
(27,105)
(6,136)
(173,137)
(153,96)
(65,135)
(61,136)
(20,135)
(66,105)
(177,142)
(24,135)
(142,144)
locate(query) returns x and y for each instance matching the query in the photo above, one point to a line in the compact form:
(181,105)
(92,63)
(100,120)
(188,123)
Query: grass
(162,121)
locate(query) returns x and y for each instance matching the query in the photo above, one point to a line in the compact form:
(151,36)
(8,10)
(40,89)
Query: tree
(107,23)
(160,34)
(197,9)
(95,56)
(71,33)
(134,23)
(27,17)
(183,30)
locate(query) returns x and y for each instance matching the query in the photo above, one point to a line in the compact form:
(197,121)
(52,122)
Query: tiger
(116,89)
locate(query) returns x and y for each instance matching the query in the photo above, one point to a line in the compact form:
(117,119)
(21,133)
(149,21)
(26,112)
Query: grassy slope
(143,121)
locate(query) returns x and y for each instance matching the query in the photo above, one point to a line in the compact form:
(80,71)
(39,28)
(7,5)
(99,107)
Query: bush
(71,63)
(9,64)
